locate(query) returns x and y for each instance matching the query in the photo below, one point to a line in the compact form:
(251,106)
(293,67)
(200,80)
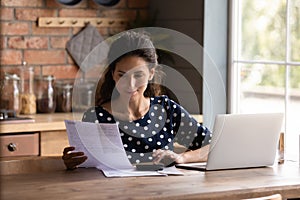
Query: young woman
(152,126)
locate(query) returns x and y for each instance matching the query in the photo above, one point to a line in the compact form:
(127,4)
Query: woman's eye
(138,75)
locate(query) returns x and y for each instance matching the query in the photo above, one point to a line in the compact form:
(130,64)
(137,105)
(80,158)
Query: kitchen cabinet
(19,145)
(46,136)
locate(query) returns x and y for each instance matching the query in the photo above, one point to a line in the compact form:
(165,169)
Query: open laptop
(242,141)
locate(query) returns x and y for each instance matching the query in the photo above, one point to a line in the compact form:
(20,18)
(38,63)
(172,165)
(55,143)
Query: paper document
(103,146)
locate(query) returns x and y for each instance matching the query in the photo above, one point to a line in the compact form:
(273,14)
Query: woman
(153,127)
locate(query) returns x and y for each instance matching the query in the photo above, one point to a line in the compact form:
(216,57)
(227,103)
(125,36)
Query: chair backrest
(271,197)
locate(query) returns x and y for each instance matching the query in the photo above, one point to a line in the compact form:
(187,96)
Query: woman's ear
(152,72)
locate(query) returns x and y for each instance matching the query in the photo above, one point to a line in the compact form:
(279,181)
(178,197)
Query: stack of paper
(103,146)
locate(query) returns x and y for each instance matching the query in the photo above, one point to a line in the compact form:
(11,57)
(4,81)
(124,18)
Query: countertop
(48,122)
(42,122)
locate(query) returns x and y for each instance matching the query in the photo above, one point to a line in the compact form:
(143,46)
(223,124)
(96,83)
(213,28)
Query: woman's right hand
(72,159)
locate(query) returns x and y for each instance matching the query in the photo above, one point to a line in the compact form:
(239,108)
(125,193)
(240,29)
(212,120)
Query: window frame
(234,88)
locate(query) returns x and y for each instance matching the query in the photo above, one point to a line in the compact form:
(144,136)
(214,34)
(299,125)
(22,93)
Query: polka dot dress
(166,122)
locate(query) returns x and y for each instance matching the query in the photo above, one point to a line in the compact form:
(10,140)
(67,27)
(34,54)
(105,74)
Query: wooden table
(91,184)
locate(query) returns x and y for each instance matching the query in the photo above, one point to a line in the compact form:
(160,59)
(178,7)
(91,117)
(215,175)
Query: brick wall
(23,40)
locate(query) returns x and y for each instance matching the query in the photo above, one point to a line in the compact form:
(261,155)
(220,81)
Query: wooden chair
(271,197)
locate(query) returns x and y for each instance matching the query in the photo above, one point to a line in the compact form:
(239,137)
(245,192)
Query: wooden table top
(91,184)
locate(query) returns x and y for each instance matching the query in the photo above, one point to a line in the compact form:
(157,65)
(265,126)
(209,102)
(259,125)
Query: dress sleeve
(189,132)
(90,116)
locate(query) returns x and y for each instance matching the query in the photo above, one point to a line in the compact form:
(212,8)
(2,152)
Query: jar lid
(86,85)
(45,77)
(64,84)
(8,76)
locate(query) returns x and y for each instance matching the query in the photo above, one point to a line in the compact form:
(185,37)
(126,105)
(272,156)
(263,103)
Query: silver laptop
(242,141)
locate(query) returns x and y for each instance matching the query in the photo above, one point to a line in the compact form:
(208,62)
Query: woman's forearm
(199,155)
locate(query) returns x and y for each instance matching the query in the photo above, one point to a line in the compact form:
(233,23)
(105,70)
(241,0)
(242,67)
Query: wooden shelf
(81,22)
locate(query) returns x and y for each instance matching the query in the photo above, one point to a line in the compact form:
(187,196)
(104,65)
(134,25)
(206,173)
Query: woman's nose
(130,81)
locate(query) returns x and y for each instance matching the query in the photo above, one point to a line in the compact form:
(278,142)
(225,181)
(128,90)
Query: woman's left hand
(166,157)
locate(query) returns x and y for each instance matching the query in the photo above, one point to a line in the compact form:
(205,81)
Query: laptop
(242,141)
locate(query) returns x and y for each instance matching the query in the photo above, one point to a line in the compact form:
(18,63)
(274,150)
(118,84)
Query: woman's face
(131,76)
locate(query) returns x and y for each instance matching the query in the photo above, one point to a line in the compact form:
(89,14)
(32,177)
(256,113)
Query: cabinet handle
(12,147)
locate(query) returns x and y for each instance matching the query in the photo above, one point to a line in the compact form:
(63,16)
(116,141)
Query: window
(265,62)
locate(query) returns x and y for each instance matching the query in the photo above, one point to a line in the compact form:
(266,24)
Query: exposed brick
(45,57)
(79,13)
(7,13)
(58,42)
(28,42)
(22,39)
(3,42)
(93,4)
(14,28)
(95,73)
(10,69)
(138,3)
(32,14)
(60,71)
(143,14)
(10,57)
(126,14)
(55,4)
(102,30)
(115,30)
(50,31)
(70,60)
(16,43)
(22,3)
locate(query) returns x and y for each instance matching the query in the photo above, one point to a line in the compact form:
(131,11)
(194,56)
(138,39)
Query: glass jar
(83,96)
(45,94)
(64,92)
(27,96)
(10,93)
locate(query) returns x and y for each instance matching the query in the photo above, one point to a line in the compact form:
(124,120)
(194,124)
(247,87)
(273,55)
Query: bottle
(45,94)
(64,92)
(281,149)
(27,96)
(10,93)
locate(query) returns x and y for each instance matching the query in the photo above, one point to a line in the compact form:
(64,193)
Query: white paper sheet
(103,146)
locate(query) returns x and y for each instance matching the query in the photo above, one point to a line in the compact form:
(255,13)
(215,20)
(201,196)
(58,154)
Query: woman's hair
(129,44)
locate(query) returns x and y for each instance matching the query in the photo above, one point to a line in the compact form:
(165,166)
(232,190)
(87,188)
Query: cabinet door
(53,142)
(19,145)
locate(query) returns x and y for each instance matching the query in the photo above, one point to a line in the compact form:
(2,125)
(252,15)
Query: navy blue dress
(166,122)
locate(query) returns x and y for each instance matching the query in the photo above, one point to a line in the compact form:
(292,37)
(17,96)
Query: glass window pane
(293,125)
(263,29)
(261,88)
(295,29)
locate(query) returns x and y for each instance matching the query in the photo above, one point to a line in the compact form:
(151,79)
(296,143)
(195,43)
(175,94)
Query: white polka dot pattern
(157,129)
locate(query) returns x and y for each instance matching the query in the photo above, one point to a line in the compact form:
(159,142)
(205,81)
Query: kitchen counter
(46,136)
(42,122)
(47,122)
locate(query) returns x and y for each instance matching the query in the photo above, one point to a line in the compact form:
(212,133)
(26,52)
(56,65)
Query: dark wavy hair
(130,43)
